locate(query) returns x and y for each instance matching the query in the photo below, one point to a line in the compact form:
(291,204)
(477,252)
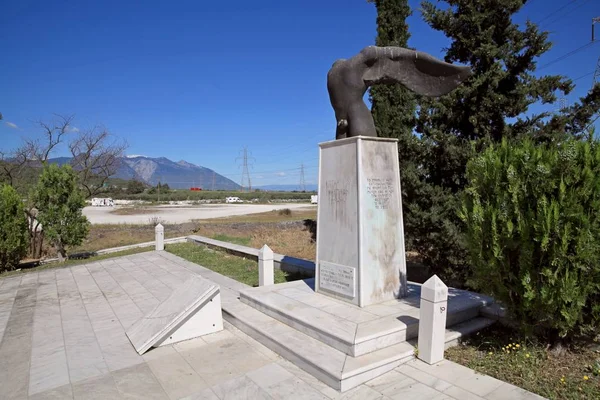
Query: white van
(314,199)
(233,200)
(101,202)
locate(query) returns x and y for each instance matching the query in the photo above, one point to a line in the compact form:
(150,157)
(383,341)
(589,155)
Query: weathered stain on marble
(337,196)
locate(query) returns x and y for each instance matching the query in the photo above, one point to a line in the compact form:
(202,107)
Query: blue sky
(199,80)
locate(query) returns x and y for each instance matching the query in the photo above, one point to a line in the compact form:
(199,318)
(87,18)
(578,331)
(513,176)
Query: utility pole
(596,20)
(245,171)
(302,182)
(213,183)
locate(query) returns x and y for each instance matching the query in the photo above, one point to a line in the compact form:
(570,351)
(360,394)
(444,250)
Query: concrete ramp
(192,310)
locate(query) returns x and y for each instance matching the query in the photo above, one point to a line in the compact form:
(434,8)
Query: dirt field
(278,229)
(179,214)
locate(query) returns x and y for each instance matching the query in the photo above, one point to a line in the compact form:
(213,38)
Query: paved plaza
(63,337)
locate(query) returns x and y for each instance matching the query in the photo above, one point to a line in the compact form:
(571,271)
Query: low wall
(284,263)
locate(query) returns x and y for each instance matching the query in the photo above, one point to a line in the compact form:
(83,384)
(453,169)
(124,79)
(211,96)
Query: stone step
(346,327)
(465,328)
(329,329)
(459,331)
(331,366)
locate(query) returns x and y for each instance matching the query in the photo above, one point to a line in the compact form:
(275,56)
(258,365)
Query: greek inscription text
(381,189)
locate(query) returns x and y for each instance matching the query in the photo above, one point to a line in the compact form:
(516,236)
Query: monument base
(339,343)
(360,236)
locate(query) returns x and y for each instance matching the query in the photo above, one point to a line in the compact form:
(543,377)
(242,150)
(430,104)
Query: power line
(311,137)
(567,55)
(231,174)
(591,123)
(286,156)
(567,13)
(555,11)
(583,76)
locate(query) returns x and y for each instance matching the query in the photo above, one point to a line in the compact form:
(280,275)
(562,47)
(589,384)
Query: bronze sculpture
(349,79)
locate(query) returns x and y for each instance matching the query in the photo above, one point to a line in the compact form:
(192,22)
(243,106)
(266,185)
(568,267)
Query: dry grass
(110,235)
(133,211)
(255,230)
(266,217)
(293,240)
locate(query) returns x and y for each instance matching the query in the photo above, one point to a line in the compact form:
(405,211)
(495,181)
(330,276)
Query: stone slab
(192,310)
(331,321)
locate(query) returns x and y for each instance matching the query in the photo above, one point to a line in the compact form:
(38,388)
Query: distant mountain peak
(187,164)
(179,175)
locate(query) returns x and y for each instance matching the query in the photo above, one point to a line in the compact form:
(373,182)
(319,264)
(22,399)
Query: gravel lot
(176,215)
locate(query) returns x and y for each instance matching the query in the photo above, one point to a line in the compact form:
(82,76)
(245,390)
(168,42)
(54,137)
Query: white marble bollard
(159,234)
(266,268)
(432,320)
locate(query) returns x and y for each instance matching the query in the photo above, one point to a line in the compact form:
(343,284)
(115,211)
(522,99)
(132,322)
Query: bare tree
(95,158)
(12,165)
(53,134)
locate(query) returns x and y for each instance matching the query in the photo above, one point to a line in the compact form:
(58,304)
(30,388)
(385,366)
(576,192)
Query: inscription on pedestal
(337,278)
(337,193)
(381,190)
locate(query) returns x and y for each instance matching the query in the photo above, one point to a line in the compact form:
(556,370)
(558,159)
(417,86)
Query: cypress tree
(493,104)
(393,106)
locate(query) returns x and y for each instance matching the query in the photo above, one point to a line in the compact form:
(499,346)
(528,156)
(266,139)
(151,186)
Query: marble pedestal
(360,236)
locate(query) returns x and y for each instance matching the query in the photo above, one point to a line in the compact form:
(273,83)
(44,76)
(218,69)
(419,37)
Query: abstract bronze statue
(348,80)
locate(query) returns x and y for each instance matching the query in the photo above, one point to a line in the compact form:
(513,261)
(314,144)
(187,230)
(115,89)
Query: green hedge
(532,215)
(13,229)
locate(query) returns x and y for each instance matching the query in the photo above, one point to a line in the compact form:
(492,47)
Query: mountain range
(178,175)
